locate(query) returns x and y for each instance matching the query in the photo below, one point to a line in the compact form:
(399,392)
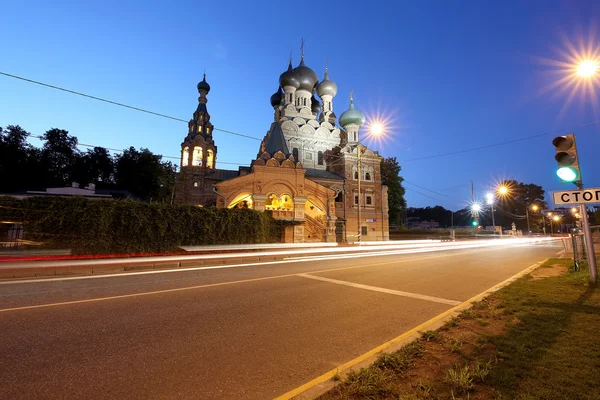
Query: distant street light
(503,190)
(476,207)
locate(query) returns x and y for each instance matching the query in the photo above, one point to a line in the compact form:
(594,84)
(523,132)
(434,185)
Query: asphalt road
(251,332)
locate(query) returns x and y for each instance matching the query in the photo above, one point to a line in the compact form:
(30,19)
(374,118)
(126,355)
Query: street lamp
(503,190)
(490,201)
(377,128)
(536,208)
(587,68)
(556,218)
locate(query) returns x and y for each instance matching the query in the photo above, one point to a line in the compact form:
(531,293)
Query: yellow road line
(328,375)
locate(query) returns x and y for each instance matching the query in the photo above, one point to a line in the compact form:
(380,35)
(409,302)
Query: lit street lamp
(587,68)
(490,201)
(376,128)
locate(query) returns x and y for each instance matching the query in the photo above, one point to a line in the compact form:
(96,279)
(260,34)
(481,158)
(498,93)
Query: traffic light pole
(589,242)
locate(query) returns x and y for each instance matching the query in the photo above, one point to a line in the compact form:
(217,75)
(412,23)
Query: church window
(339,198)
(209,158)
(356,175)
(185,156)
(295,153)
(355,199)
(195,184)
(199,128)
(368,176)
(369,200)
(320,158)
(197,160)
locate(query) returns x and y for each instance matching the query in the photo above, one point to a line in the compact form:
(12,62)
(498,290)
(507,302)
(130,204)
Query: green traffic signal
(567,174)
(567,158)
(475,223)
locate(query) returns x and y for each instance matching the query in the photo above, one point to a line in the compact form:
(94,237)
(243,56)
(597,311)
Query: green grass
(549,348)
(554,349)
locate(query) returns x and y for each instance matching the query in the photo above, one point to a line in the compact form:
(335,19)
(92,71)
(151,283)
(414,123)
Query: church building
(307,169)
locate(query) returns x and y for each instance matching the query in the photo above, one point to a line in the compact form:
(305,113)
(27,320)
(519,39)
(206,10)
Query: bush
(126,226)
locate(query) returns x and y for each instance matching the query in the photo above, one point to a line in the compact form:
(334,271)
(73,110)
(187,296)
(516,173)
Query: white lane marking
(286,260)
(382,290)
(224,283)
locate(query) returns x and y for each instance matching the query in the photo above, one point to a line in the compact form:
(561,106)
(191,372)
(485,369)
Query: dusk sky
(449,75)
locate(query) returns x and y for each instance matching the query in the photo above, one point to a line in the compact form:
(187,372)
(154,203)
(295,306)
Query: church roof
(321,173)
(276,140)
(222,174)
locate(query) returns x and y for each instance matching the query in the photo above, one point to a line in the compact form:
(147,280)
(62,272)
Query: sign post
(582,197)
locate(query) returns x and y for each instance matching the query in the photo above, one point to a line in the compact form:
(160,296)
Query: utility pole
(589,241)
(358,169)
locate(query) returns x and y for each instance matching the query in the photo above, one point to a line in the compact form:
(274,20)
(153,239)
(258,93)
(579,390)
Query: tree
(59,157)
(390,170)
(518,202)
(95,166)
(18,160)
(144,174)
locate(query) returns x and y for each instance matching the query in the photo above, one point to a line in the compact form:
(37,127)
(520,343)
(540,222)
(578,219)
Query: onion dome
(315,105)
(352,116)
(289,78)
(204,85)
(327,87)
(277,97)
(306,76)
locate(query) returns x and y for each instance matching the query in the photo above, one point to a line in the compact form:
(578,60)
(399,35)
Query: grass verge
(535,339)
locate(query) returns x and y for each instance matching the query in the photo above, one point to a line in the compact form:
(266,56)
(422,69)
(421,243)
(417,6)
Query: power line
(501,143)
(118,104)
(421,187)
(120,151)
(255,138)
(423,194)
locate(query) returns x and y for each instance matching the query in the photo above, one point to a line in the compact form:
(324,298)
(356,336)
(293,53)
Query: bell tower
(198,155)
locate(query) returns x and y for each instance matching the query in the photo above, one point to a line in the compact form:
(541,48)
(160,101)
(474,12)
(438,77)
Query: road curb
(324,383)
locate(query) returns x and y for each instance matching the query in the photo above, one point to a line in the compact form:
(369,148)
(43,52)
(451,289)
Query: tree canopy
(59,162)
(390,176)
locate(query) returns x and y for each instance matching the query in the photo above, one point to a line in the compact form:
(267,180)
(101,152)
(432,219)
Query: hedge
(124,226)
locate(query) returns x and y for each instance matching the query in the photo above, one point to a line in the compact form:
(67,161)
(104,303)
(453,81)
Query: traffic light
(475,223)
(566,156)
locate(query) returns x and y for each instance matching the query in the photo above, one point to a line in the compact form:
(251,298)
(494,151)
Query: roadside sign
(584,196)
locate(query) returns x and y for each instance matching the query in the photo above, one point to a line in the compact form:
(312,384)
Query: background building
(307,168)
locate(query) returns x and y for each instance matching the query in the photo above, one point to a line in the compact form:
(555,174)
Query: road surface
(251,332)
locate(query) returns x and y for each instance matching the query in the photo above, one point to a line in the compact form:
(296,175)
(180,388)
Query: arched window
(368,176)
(356,175)
(295,153)
(199,128)
(209,158)
(197,160)
(185,156)
(195,184)
(320,158)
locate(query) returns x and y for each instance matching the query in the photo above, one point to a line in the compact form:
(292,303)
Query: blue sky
(452,76)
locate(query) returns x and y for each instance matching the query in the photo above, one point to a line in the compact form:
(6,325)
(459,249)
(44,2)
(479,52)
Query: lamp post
(377,129)
(490,201)
(535,208)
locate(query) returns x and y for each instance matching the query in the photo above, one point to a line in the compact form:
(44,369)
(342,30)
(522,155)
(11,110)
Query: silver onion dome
(327,86)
